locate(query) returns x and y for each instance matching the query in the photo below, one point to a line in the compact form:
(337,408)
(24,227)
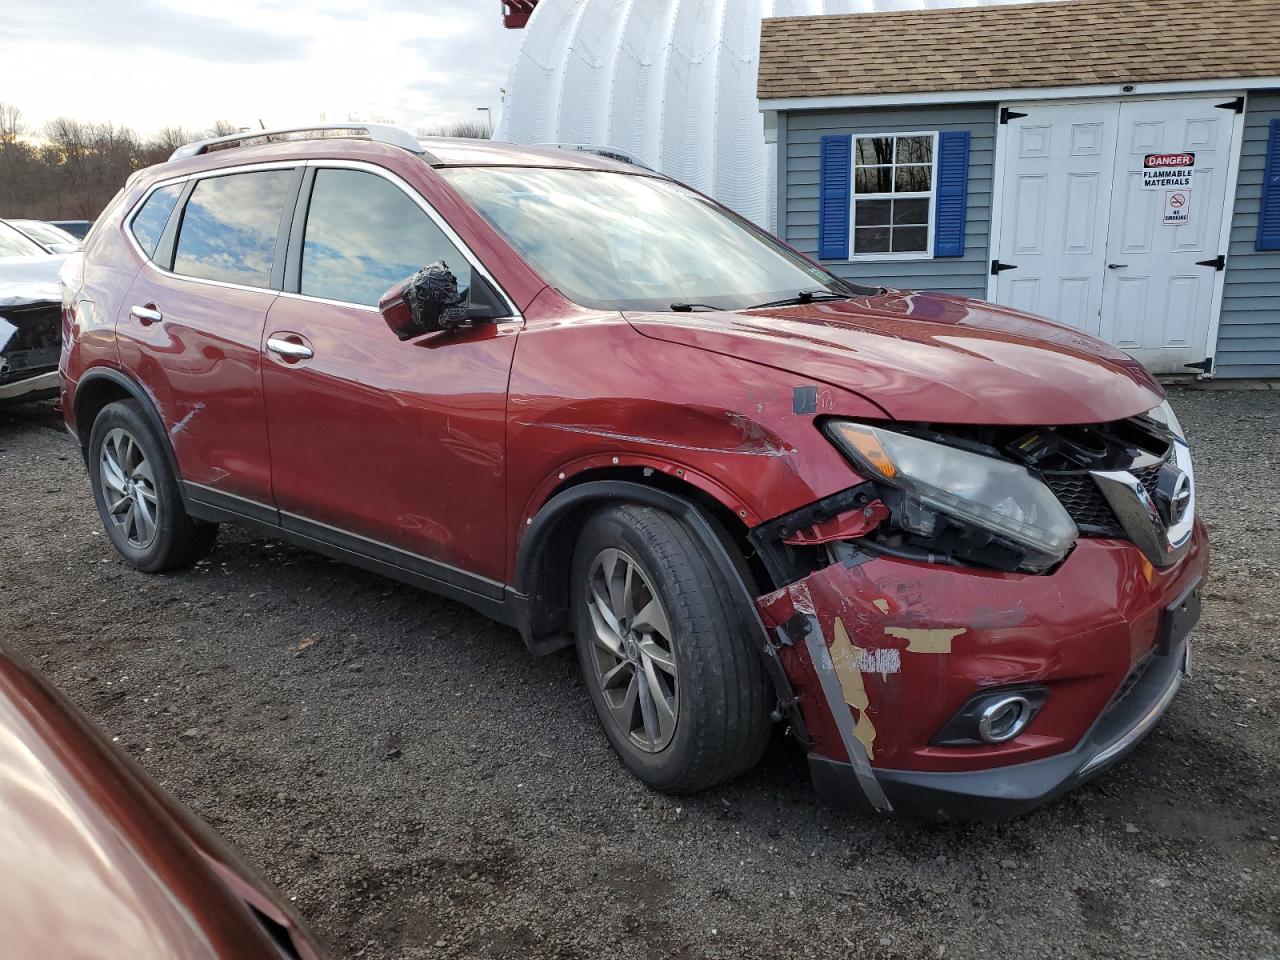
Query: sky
(150,64)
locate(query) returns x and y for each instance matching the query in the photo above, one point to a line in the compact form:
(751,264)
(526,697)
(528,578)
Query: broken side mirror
(430,301)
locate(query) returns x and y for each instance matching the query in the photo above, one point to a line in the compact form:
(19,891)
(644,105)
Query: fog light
(1004,718)
(992,716)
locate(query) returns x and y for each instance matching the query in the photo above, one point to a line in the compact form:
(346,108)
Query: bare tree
(11,125)
(73,169)
(467,129)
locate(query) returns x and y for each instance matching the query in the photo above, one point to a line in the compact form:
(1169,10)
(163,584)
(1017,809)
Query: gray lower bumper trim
(43,381)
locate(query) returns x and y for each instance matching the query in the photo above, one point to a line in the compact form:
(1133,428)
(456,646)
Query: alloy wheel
(632,651)
(129,489)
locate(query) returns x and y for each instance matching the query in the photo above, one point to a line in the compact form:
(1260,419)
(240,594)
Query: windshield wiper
(804,296)
(681,307)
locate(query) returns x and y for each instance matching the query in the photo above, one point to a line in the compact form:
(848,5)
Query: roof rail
(612,153)
(378,132)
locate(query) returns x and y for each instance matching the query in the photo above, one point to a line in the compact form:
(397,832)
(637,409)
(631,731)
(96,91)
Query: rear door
(191,326)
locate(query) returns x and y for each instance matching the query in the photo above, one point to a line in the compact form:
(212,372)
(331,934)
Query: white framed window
(894,177)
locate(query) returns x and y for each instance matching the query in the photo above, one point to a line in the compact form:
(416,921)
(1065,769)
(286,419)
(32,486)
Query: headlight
(1165,416)
(997,496)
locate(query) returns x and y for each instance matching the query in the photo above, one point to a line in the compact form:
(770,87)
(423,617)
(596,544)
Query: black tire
(722,723)
(177,540)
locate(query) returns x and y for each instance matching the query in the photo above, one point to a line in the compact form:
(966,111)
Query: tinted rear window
(149,223)
(229,227)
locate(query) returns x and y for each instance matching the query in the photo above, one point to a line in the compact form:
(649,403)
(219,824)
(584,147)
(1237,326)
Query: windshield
(14,244)
(623,242)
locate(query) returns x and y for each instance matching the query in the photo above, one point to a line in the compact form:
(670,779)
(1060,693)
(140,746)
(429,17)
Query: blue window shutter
(833,197)
(953,194)
(1269,215)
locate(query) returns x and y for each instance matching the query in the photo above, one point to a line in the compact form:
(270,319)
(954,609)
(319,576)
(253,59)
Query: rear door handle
(289,350)
(1116,266)
(148,314)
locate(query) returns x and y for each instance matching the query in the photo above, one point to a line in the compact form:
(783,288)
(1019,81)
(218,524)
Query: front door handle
(289,350)
(148,314)
(1116,266)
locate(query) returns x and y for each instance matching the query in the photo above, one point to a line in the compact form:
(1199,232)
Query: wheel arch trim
(546,491)
(136,391)
(540,528)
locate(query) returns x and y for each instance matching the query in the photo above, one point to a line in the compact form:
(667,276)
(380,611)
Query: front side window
(229,227)
(893,183)
(364,235)
(618,241)
(149,222)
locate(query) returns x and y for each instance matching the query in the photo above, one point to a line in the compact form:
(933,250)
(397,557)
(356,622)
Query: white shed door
(1053,219)
(1094,243)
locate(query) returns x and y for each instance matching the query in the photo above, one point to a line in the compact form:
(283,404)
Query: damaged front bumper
(30,342)
(882,653)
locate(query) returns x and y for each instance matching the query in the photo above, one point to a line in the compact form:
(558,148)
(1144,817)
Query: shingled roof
(1070,43)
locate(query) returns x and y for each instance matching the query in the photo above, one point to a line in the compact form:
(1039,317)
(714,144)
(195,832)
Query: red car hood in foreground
(97,862)
(930,357)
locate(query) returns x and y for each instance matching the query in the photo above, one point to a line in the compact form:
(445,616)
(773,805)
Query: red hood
(96,861)
(930,357)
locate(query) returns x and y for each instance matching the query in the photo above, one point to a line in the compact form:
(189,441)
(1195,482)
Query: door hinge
(1235,106)
(1218,263)
(998,267)
(1205,366)
(1006,115)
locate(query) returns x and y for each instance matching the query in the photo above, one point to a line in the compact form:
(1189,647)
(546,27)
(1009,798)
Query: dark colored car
(951,546)
(77,228)
(97,861)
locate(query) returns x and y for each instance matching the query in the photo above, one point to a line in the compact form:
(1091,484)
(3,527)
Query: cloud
(149,64)
(145,24)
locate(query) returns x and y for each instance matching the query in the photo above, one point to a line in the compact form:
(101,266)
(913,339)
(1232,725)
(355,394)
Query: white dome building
(670,83)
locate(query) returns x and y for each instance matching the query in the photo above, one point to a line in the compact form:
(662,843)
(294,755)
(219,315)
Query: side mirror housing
(429,301)
(417,305)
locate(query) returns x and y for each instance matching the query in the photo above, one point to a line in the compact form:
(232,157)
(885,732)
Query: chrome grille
(1149,477)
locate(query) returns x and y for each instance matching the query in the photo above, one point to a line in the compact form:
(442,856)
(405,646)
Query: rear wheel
(664,652)
(137,494)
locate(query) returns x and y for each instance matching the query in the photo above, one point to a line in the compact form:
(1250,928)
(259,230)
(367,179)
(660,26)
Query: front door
(1111,217)
(399,445)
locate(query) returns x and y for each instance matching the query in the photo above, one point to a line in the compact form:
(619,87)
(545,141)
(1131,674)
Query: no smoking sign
(1177,206)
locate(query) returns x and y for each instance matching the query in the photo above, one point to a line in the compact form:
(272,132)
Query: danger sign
(1177,206)
(1162,171)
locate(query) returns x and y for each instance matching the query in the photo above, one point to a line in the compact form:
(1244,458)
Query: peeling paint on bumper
(953,631)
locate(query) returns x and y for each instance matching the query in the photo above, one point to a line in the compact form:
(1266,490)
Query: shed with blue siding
(1073,170)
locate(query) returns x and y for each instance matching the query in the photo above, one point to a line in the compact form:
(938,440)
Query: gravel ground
(423,788)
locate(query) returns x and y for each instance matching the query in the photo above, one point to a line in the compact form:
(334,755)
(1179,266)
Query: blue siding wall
(1249,335)
(801,137)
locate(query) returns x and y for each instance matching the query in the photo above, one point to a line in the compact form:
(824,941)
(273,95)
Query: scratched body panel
(590,388)
(913,641)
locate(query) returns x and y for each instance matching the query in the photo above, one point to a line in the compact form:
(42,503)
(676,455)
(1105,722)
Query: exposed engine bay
(897,519)
(29,341)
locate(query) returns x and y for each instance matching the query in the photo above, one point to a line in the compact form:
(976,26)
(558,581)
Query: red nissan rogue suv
(950,546)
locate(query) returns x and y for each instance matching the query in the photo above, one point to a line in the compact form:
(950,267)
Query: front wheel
(665,653)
